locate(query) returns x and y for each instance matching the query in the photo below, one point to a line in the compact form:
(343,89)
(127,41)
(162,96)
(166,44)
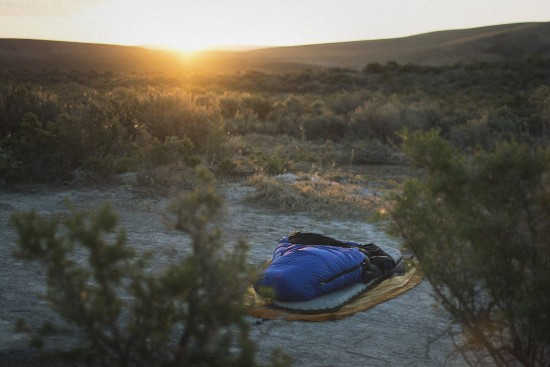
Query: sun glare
(182,26)
(190,26)
(185,46)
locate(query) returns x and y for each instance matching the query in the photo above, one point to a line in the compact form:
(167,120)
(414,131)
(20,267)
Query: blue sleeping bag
(299,272)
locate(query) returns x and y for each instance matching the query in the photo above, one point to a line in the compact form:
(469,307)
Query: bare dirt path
(401,332)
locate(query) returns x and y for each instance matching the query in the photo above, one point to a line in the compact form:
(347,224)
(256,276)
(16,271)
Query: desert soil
(405,331)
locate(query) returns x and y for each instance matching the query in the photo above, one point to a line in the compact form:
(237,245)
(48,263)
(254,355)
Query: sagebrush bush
(172,150)
(376,120)
(478,225)
(374,152)
(38,152)
(323,126)
(16,101)
(188,315)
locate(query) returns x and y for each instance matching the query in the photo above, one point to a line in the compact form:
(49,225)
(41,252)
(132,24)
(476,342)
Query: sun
(182,36)
(140,23)
(186,26)
(186,44)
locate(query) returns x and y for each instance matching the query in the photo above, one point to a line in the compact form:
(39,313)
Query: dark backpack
(376,255)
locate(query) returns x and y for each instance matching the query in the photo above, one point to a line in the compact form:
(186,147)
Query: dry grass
(316,195)
(324,183)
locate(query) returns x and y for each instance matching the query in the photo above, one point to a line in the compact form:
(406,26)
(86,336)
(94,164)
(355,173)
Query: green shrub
(376,120)
(374,152)
(473,134)
(172,150)
(226,167)
(169,113)
(41,153)
(272,163)
(189,315)
(479,228)
(229,106)
(17,101)
(323,126)
(261,106)
(214,147)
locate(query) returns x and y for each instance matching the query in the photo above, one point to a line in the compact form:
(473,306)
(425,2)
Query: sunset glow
(192,24)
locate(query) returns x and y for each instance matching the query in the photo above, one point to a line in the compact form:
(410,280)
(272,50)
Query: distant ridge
(59,55)
(492,43)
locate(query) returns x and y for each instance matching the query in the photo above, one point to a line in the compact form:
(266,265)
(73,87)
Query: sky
(198,24)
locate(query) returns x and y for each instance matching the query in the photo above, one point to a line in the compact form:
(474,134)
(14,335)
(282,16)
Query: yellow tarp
(261,307)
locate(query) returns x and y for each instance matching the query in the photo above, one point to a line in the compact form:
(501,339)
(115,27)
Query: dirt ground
(405,331)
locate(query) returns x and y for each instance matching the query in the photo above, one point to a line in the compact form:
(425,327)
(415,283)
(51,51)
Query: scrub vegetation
(478,225)
(101,124)
(474,134)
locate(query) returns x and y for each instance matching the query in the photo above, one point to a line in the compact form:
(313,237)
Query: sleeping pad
(305,266)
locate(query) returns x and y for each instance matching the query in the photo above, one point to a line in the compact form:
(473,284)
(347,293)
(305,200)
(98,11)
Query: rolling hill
(445,47)
(492,43)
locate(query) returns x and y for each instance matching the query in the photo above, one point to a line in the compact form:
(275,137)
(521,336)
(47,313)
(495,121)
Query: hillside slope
(493,43)
(57,55)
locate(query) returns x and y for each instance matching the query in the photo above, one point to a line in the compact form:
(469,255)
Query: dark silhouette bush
(478,226)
